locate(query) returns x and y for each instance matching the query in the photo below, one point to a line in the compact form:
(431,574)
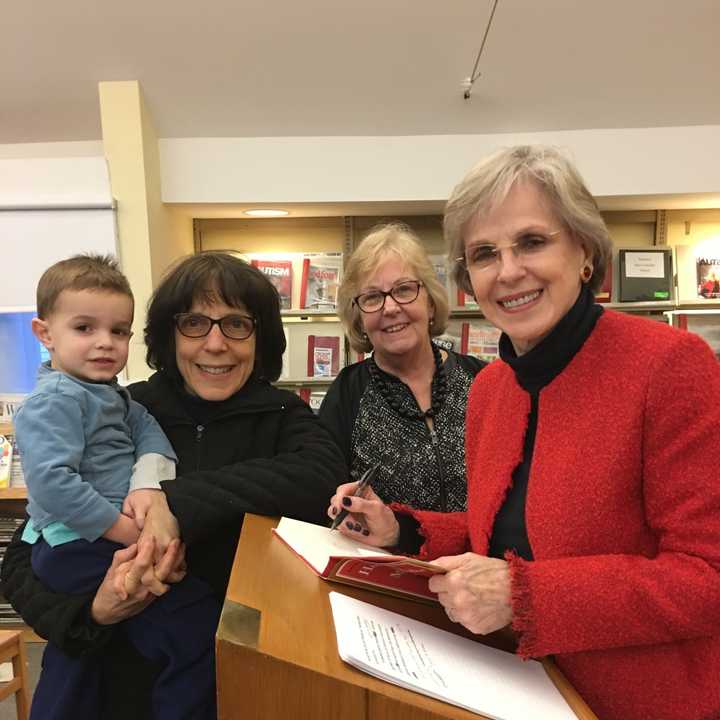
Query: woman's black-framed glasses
(403,293)
(195,325)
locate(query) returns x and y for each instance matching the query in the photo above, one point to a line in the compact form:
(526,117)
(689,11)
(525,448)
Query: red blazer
(622,512)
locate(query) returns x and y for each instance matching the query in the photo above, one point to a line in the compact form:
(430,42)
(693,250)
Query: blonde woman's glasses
(525,249)
(403,293)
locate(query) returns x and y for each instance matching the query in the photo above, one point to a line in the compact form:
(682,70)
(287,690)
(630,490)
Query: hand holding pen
(370,521)
(365,481)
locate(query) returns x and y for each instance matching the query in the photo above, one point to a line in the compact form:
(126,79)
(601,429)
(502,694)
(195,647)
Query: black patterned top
(374,416)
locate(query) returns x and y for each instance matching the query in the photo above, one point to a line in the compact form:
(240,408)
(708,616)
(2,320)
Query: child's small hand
(122,531)
(161,526)
(138,502)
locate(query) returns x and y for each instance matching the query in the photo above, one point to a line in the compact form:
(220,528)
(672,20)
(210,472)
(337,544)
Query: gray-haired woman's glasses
(194,325)
(528,246)
(403,293)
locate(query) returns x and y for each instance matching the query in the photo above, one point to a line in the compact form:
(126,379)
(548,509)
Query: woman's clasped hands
(134,580)
(475,591)
(144,570)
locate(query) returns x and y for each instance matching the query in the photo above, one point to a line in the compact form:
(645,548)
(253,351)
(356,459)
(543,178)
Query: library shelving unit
(12,513)
(12,499)
(640,230)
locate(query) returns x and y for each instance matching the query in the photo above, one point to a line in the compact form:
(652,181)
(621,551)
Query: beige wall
(280,235)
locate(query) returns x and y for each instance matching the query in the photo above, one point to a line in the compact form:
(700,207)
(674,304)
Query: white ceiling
(369,67)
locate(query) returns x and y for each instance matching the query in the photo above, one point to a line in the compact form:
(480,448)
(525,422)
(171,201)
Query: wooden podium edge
(572,697)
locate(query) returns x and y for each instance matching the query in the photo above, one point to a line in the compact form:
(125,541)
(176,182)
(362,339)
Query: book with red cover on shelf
(335,557)
(323,358)
(279,272)
(708,277)
(480,339)
(321,277)
(464,300)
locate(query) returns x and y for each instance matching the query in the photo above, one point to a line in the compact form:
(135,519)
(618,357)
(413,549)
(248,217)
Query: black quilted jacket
(262,451)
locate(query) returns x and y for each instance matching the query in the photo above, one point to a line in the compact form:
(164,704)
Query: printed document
(444,666)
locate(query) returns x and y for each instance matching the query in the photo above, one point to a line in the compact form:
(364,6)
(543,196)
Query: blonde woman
(405,405)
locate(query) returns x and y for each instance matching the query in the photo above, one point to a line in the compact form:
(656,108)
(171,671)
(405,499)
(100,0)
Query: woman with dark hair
(215,338)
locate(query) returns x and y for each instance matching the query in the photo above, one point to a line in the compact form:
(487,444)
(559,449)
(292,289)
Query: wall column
(131,149)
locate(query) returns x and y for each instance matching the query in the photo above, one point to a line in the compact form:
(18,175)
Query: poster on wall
(708,278)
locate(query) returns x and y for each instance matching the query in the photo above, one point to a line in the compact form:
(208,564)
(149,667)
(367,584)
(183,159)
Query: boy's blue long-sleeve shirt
(79,442)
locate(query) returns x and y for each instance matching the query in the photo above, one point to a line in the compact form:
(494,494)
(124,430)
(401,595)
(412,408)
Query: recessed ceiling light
(266,212)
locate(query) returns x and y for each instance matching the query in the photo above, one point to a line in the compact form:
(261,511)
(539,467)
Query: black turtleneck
(533,371)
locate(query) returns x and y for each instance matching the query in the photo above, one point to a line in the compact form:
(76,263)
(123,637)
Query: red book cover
(304,393)
(465,333)
(323,355)
(279,273)
(332,556)
(303,282)
(481,340)
(465,300)
(320,281)
(708,277)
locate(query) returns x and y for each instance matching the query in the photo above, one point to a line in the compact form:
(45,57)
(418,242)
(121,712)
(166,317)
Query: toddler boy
(89,451)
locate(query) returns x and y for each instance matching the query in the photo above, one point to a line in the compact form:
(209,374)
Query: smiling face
(526,295)
(214,367)
(87,333)
(396,329)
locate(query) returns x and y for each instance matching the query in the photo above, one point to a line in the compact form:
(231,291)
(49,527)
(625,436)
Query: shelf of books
(316,348)
(13,496)
(12,482)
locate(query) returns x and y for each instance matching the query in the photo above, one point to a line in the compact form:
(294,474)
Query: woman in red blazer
(593,520)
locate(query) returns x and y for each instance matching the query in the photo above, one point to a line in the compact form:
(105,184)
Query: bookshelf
(629,230)
(12,515)
(301,244)
(12,499)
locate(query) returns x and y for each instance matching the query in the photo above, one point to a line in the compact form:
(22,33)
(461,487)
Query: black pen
(367,477)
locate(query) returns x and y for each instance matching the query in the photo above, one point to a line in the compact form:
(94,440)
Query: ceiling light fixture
(266,212)
(468,82)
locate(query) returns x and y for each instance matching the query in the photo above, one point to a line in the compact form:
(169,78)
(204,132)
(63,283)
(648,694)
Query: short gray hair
(395,238)
(487,185)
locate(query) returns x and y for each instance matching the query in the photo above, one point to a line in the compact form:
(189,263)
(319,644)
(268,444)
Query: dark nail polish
(347,502)
(366,532)
(349,525)
(333,511)
(358,527)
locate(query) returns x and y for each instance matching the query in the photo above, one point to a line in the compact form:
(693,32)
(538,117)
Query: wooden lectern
(277,655)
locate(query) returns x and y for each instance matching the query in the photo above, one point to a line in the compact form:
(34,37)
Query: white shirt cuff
(149,470)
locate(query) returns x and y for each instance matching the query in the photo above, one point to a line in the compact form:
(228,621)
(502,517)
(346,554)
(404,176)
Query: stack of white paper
(454,669)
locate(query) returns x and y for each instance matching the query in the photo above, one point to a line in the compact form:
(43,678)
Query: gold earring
(586,273)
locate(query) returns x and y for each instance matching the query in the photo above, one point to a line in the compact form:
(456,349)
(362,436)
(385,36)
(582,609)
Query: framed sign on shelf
(645,274)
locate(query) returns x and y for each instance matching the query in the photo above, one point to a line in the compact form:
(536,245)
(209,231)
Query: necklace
(403,403)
